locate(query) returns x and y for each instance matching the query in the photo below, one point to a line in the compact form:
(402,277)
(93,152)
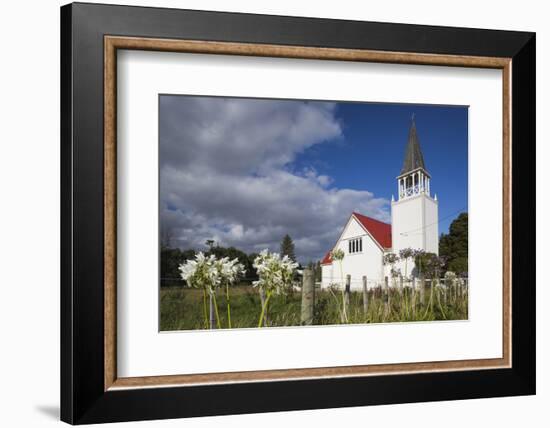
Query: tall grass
(182,308)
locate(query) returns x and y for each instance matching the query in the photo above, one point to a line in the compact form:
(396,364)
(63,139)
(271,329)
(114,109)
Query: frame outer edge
(66,152)
(524,219)
(82,394)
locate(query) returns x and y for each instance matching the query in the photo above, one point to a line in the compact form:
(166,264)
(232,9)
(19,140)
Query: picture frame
(91,35)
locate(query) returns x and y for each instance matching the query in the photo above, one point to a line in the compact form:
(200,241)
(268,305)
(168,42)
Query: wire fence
(396,282)
(178,282)
(352,300)
(354,282)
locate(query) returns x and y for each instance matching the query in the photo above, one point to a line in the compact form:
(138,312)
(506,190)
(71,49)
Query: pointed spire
(413,154)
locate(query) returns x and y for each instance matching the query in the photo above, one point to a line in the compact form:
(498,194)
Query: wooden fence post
(346,296)
(365,296)
(308,297)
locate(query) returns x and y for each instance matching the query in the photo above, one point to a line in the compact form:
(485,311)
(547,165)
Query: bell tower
(415,213)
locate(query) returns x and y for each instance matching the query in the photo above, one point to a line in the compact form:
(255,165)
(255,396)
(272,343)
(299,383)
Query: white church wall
(327,275)
(415,224)
(407,223)
(352,230)
(368,262)
(431,225)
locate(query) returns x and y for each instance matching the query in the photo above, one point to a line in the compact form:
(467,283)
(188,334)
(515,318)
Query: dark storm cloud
(225,175)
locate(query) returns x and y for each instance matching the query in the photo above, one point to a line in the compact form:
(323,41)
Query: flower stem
(216,311)
(344,309)
(429,306)
(206,321)
(344,312)
(228,305)
(337,303)
(264,307)
(439,303)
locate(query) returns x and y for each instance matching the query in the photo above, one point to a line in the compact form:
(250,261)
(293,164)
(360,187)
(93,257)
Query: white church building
(414,224)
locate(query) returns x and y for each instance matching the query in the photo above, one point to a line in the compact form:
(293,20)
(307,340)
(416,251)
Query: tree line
(453,247)
(453,255)
(171,258)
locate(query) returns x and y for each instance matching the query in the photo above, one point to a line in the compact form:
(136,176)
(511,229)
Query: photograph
(285,213)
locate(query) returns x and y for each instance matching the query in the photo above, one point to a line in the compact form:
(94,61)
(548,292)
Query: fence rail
(397,282)
(399,295)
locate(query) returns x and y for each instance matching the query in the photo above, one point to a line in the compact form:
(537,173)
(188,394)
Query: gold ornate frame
(114,43)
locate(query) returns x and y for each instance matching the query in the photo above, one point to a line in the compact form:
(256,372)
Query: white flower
(229,270)
(209,273)
(275,273)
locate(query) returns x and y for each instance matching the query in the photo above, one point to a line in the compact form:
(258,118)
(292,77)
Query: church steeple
(414,179)
(415,213)
(413,155)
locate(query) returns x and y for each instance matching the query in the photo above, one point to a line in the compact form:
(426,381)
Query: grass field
(182,308)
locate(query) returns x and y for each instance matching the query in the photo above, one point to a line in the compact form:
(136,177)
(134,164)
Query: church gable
(359,225)
(378,230)
(353,229)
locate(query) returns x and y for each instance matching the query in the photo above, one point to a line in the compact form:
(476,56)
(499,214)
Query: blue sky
(245,172)
(370,153)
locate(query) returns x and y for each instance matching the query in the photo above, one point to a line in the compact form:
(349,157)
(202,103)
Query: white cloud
(225,175)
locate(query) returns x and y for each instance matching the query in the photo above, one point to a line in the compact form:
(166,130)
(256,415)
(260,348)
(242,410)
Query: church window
(355,245)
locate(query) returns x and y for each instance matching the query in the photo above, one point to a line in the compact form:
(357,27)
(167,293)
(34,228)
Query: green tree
(166,235)
(287,247)
(235,253)
(210,243)
(170,259)
(453,247)
(251,273)
(429,265)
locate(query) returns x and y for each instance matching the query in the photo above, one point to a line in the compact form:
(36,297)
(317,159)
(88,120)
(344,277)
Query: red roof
(380,231)
(327,259)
